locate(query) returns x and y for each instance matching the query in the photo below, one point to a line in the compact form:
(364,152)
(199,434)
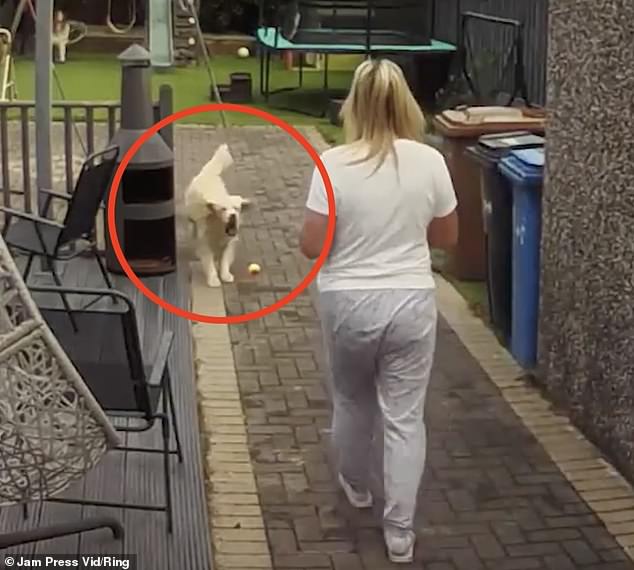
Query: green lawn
(97,78)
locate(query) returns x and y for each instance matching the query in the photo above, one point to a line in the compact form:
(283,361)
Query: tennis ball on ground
(254,268)
(243,52)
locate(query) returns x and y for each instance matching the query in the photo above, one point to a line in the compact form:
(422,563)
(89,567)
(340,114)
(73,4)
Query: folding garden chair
(494,75)
(40,236)
(487,72)
(107,350)
(52,430)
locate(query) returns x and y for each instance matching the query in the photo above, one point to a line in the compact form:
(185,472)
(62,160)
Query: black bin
(497,216)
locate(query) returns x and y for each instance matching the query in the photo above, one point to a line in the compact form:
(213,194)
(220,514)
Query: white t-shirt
(382,218)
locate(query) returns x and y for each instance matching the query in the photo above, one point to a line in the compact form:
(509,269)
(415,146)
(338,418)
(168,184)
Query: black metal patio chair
(52,430)
(38,236)
(107,350)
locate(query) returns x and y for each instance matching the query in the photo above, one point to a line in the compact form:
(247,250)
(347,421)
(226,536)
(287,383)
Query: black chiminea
(145,215)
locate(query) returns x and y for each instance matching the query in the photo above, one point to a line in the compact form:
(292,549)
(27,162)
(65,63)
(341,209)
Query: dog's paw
(227,277)
(213,281)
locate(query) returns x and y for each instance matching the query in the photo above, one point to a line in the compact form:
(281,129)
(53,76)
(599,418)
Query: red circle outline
(198,317)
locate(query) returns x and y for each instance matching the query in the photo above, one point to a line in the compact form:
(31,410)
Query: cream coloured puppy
(215,215)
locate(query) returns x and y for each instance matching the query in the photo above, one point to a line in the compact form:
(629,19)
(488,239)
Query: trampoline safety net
(359,22)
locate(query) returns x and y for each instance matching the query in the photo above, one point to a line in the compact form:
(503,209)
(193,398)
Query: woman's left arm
(313,234)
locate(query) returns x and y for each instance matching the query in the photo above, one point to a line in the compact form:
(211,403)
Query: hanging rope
(113,28)
(17,18)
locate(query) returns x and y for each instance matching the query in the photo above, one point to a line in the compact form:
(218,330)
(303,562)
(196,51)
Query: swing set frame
(8,86)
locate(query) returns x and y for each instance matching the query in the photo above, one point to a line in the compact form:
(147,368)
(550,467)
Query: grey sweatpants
(379,347)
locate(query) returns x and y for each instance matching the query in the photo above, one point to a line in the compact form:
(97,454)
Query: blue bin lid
(524,167)
(530,156)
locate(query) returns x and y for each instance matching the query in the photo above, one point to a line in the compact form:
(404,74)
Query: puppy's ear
(211,209)
(239,202)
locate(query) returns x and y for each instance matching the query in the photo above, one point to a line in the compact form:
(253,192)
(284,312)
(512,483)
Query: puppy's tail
(220,161)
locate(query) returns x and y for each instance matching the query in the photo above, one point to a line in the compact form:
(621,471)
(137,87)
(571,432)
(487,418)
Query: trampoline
(401,28)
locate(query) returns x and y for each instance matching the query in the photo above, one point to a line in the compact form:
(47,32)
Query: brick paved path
(491,497)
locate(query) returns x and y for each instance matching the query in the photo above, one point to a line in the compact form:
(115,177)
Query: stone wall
(587,313)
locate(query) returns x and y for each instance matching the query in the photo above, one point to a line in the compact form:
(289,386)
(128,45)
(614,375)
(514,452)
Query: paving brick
(509,533)
(614,555)
(580,552)
(308,529)
(559,562)
(618,516)
(554,535)
(329,547)
(237,522)
(534,549)
(488,547)
(307,434)
(611,505)
(598,537)
(466,559)
(346,561)
(302,561)
(242,561)
(516,564)
(240,547)
(440,566)
(240,535)
(621,528)
(282,541)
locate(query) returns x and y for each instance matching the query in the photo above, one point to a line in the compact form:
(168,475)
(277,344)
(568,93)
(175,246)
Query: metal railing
(79,129)
(75,126)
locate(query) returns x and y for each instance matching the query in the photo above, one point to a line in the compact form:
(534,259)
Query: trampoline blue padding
(271,38)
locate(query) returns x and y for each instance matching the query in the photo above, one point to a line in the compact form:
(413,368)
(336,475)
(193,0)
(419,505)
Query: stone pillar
(587,307)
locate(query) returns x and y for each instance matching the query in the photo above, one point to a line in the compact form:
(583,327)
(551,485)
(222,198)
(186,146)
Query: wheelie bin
(524,169)
(460,129)
(497,219)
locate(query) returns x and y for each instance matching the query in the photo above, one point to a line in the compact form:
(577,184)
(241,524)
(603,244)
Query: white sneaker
(355,498)
(400,547)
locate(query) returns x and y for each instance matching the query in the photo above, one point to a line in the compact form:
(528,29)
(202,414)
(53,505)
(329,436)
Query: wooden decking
(138,477)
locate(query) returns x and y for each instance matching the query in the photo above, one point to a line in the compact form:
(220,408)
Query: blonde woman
(394,199)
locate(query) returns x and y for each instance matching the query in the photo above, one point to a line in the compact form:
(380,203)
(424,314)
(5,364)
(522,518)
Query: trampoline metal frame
(370,51)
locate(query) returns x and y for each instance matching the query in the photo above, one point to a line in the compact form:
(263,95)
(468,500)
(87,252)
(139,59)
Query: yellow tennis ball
(243,52)
(254,269)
